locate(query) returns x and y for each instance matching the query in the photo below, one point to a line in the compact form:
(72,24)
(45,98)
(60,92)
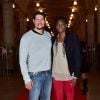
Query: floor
(94,85)
(12,85)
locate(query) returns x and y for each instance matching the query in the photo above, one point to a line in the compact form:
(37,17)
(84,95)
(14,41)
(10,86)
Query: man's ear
(33,20)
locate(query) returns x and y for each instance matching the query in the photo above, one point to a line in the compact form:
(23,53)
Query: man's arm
(23,52)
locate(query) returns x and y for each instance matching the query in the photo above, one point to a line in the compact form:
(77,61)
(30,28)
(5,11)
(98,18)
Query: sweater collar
(38,32)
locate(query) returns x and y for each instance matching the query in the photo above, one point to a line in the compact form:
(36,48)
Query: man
(35,59)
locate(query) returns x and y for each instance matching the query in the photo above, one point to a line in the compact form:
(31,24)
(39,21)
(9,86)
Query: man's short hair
(38,13)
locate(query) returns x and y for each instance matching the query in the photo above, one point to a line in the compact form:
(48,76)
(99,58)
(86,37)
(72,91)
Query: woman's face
(61,26)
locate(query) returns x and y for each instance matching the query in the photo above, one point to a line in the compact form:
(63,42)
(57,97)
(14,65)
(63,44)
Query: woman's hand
(74,81)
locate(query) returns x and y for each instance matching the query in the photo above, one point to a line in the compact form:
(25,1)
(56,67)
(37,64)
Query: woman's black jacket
(73,53)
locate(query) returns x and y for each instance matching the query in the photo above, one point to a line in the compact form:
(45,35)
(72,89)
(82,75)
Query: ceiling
(55,8)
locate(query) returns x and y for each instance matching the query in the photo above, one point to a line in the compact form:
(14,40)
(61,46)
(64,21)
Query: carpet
(78,94)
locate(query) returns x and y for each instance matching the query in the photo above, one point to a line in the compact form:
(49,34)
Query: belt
(34,73)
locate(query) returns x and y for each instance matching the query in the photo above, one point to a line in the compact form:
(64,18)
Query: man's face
(39,22)
(60,26)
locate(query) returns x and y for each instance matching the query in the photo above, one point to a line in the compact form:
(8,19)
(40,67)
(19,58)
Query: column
(90,40)
(98,21)
(90,30)
(8,29)
(8,24)
(83,34)
(98,36)
(23,25)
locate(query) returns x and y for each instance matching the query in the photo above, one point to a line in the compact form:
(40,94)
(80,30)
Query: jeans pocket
(31,75)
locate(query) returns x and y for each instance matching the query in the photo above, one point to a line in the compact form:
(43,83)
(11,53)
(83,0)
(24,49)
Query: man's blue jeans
(42,83)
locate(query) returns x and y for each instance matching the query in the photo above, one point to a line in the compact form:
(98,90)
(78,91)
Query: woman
(66,62)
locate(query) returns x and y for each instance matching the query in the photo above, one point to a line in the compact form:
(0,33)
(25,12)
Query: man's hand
(29,85)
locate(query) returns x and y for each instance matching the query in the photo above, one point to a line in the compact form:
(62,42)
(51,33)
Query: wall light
(41,10)
(73,9)
(13,5)
(27,19)
(37,4)
(96,8)
(86,20)
(75,3)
